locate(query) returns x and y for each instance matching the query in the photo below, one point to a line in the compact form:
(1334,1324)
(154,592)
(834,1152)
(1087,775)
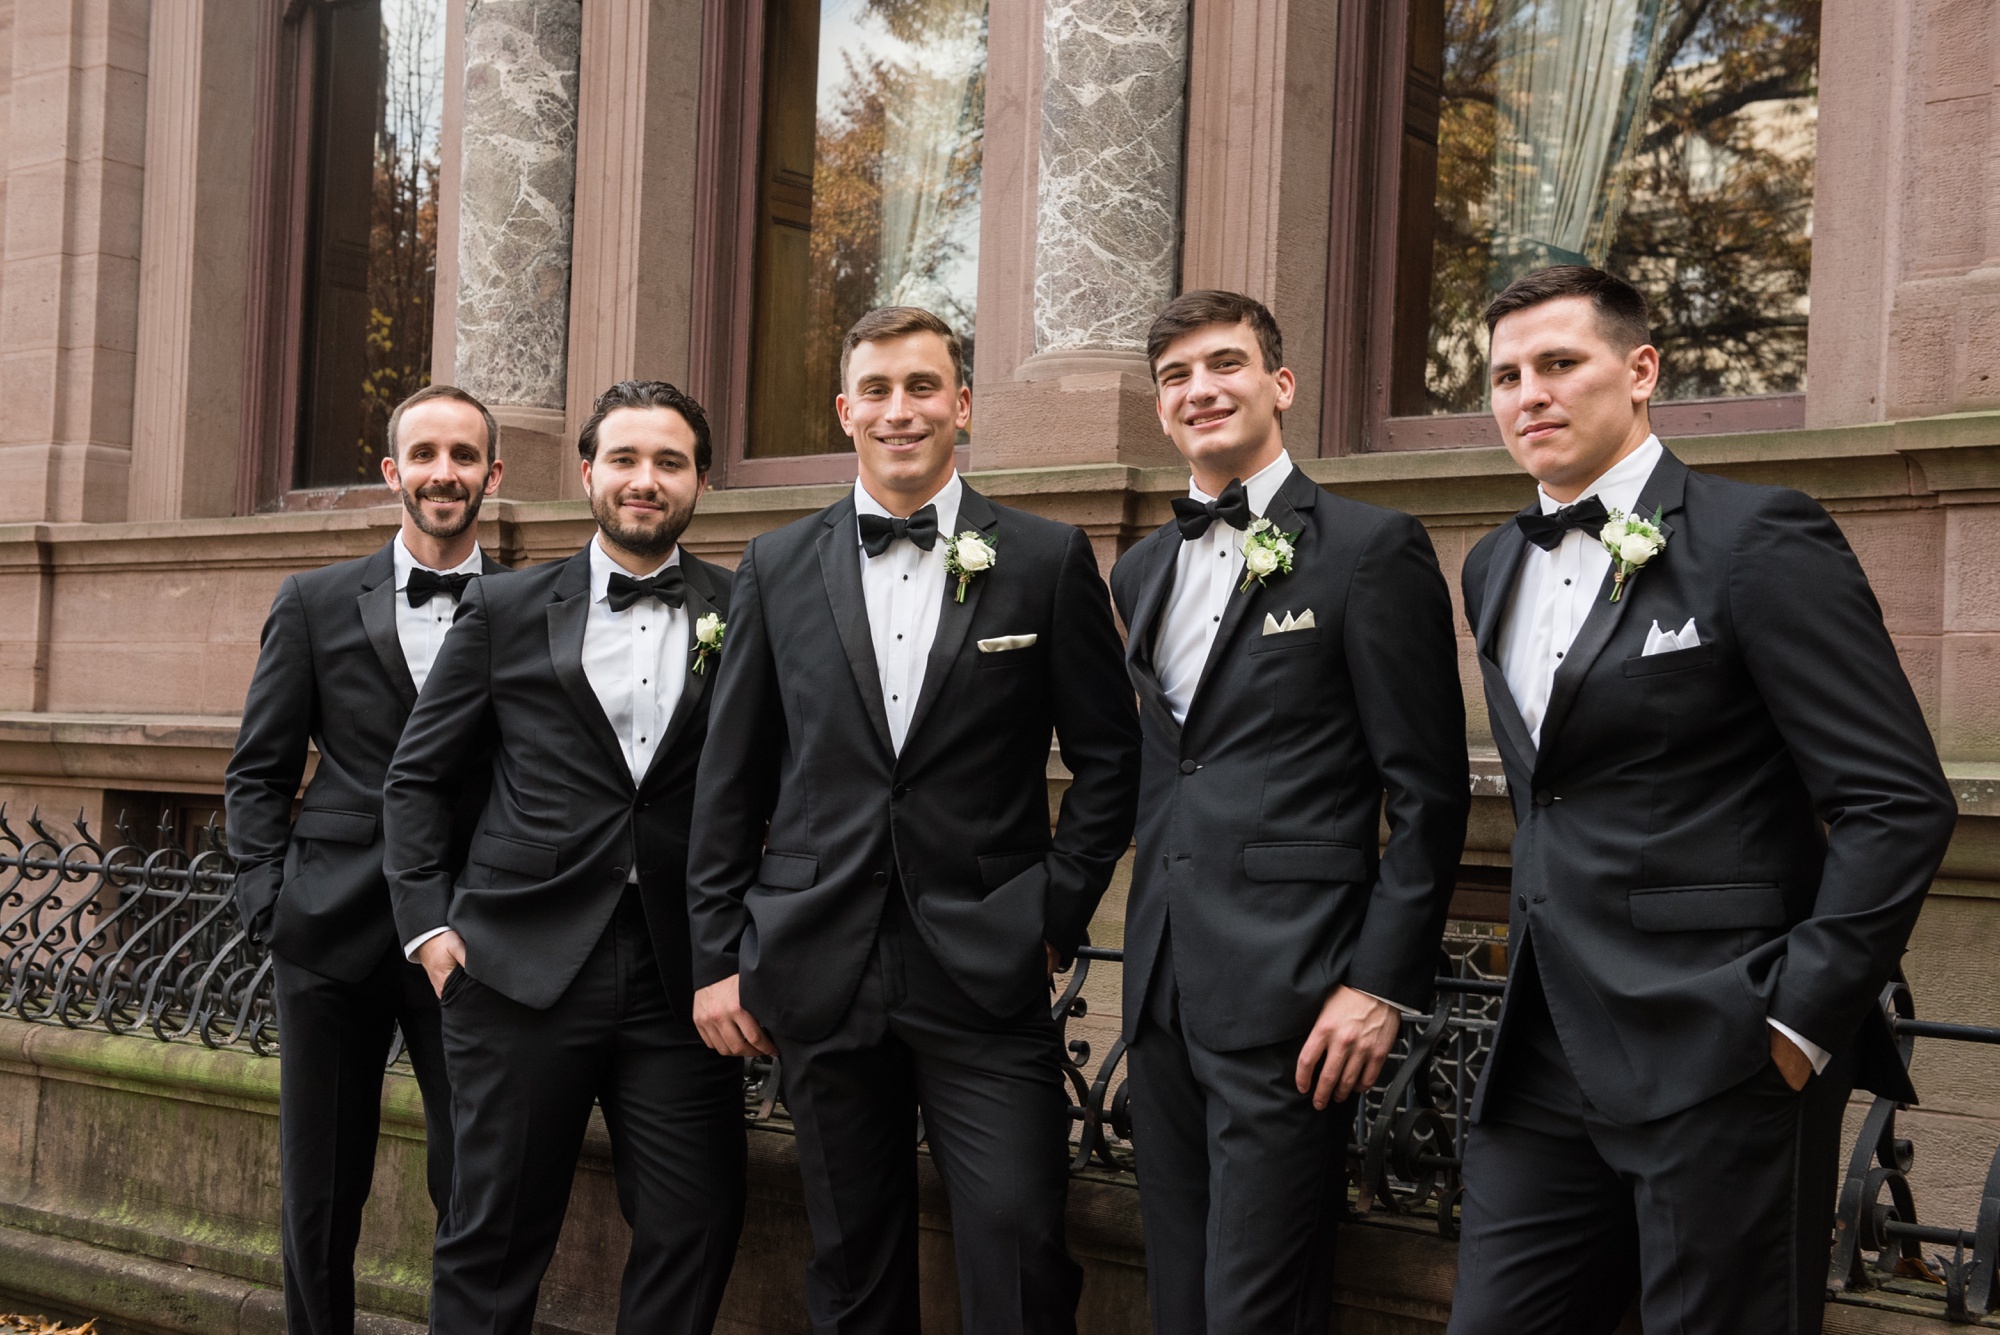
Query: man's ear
(389,472)
(493,477)
(1644,362)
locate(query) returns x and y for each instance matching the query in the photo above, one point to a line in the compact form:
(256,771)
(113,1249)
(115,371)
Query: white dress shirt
(904,591)
(1554,592)
(420,630)
(1206,572)
(635,660)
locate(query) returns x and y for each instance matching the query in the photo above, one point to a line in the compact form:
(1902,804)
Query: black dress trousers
(1719,1217)
(333,1042)
(1242,1182)
(523,1082)
(996,1117)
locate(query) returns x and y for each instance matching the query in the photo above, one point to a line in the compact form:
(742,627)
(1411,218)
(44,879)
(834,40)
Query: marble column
(517,199)
(1114,100)
(1107,244)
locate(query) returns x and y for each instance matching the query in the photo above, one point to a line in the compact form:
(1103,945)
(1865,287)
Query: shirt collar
(1621,483)
(946,501)
(602,568)
(1261,488)
(406,561)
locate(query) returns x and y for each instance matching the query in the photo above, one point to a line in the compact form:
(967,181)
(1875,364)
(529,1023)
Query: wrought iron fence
(143,938)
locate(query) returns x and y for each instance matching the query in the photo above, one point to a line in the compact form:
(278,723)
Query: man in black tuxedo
(897,663)
(560,953)
(345,651)
(1728,810)
(1270,951)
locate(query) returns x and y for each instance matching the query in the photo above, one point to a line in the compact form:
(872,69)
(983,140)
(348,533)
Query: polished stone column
(517,198)
(1107,245)
(1114,98)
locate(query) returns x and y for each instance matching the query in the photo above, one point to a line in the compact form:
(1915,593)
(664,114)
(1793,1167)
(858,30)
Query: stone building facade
(604,204)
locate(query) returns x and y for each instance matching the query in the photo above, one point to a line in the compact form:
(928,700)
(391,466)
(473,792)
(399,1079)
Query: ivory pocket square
(1666,641)
(1293,621)
(1000,644)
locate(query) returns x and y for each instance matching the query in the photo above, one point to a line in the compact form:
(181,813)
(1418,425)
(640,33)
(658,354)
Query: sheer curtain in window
(1572,84)
(930,138)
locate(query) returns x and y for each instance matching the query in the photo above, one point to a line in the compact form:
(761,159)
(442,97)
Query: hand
(725,1025)
(1055,962)
(1353,1036)
(440,955)
(1792,1064)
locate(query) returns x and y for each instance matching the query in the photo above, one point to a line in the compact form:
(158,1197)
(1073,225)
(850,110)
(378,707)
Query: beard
(443,491)
(651,540)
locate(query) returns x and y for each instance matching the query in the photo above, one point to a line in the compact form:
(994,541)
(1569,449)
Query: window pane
(869,192)
(1670,141)
(372,257)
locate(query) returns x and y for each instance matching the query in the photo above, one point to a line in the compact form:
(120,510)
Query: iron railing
(138,939)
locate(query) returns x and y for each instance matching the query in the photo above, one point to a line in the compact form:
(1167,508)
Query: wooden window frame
(1366,274)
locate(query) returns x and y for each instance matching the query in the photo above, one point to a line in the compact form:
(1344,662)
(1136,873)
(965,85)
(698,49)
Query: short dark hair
(1621,308)
(887,322)
(457,395)
(1206,306)
(646,394)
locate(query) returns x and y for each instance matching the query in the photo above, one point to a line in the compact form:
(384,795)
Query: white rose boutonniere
(1266,552)
(967,555)
(708,633)
(1632,542)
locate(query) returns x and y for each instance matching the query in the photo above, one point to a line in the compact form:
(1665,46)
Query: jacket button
(1521,903)
(900,790)
(1543,797)
(1189,767)
(881,878)
(618,872)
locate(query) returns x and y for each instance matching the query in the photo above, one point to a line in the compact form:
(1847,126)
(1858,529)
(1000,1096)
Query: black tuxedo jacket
(800,740)
(331,671)
(1708,837)
(1259,817)
(564,823)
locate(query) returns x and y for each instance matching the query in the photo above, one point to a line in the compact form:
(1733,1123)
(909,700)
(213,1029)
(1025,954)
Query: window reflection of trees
(894,217)
(373,248)
(1717,198)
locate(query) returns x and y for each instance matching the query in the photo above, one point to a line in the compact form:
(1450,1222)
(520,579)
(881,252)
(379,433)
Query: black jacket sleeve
(1097,732)
(736,783)
(1815,647)
(270,757)
(447,729)
(1402,655)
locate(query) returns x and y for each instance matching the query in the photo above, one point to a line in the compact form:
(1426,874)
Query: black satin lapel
(378,618)
(566,622)
(1509,549)
(1154,590)
(840,567)
(1662,494)
(955,620)
(694,687)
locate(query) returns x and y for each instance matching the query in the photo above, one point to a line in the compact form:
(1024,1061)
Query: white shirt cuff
(1816,1054)
(410,948)
(1406,1012)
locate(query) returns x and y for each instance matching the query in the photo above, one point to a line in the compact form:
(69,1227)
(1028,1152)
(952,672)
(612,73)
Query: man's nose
(900,408)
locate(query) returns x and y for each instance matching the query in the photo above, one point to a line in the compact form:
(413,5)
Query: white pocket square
(1666,641)
(1293,621)
(1000,644)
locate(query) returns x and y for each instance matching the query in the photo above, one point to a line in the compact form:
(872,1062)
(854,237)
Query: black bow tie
(425,585)
(1546,531)
(669,586)
(878,531)
(1231,507)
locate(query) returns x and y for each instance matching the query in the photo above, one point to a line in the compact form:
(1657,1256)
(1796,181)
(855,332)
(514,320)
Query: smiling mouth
(902,442)
(1536,430)
(1200,420)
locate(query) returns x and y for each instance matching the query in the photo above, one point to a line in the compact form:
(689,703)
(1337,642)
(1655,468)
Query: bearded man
(345,651)
(560,952)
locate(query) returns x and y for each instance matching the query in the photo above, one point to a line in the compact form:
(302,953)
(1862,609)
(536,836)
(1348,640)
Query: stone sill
(1955,453)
